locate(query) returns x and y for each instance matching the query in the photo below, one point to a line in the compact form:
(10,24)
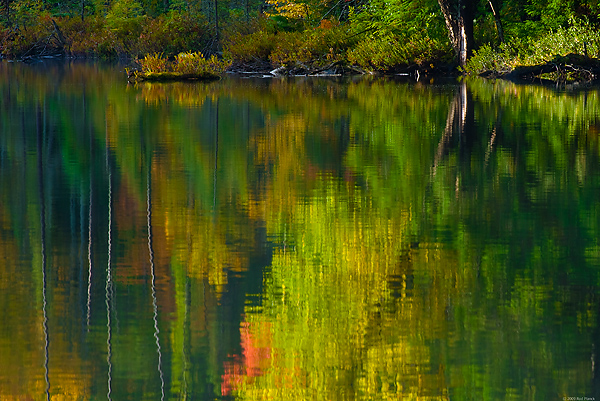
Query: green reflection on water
(296,239)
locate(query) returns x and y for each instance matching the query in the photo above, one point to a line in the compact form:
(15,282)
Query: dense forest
(369,35)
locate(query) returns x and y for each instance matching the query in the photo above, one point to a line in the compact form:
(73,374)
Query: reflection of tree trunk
(446,136)
(455,123)
(596,368)
(459,22)
(153,279)
(464,109)
(42,196)
(90,204)
(459,121)
(89,289)
(186,343)
(109,285)
(216,156)
(494,135)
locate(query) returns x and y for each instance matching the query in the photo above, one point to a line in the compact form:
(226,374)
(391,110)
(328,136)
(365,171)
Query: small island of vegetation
(524,39)
(186,66)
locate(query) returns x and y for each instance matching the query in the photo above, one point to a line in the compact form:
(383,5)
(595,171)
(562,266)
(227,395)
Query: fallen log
(562,69)
(52,45)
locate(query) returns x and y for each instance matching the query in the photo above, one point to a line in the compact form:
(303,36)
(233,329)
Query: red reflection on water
(253,361)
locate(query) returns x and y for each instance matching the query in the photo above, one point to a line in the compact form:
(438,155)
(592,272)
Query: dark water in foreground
(301,239)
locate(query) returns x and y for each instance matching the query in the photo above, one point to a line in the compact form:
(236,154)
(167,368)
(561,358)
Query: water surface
(305,238)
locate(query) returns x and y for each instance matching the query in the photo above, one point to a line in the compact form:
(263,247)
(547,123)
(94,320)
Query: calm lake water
(296,239)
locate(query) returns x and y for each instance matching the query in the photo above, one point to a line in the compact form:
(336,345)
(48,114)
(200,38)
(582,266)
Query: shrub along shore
(534,39)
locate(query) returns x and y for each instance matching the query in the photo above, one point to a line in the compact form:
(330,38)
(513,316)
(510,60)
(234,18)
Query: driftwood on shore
(52,45)
(331,69)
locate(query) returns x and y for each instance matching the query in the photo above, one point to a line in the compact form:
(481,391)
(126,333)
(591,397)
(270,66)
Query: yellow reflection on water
(33,362)
(331,327)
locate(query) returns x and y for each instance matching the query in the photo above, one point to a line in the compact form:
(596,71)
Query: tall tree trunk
(216,23)
(458,15)
(497,20)
(7,9)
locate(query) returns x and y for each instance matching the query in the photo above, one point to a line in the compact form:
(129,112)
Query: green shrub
(579,38)
(173,33)
(28,40)
(389,51)
(317,46)
(87,37)
(124,20)
(123,32)
(124,14)
(267,43)
(289,47)
(486,31)
(28,13)
(254,47)
(487,59)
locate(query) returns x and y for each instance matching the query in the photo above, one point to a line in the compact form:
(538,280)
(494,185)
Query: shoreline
(572,69)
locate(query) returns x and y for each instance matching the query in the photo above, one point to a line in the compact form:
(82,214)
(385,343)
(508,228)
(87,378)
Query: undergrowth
(389,51)
(579,38)
(123,32)
(321,45)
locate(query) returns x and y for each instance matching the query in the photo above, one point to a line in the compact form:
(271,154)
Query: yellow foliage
(154,63)
(289,9)
(185,63)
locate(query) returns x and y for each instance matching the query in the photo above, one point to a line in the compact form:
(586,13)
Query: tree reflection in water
(370,239)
